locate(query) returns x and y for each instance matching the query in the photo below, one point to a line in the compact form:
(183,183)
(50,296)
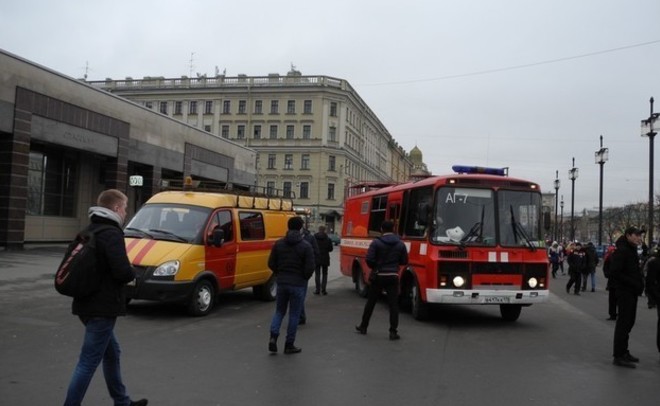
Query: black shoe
(316,292)
(593,289)
(324,293)
(577,293)
(394,336)
(302,321)
(629,357)
(361,330)
(272,344)
(291,349)
(141,402)
(611,318)
(622,362)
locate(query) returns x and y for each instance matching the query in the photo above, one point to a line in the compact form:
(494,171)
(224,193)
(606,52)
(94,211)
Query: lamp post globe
(572,175)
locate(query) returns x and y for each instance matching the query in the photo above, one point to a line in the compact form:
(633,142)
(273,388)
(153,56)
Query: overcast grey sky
(517,83)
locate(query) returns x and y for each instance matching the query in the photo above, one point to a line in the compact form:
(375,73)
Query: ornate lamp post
(561,226)
(572,175)
(650,130)
(601,157)
(557,183)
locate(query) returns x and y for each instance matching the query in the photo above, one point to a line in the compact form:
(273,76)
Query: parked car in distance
(334,238)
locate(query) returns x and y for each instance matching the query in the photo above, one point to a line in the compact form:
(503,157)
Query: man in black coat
(99,311)
(628,282)
(323,261)
(385,256)
(653,285)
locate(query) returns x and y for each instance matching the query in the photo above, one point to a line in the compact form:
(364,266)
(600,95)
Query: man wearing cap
(292,262)
(628,284)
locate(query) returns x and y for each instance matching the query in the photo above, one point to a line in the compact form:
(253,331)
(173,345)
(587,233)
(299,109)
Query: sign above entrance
(135,180)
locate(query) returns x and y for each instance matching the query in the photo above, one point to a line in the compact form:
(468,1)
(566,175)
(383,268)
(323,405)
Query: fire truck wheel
(420,310)
(510,312)
(360,285)
(202,299)
(266,292)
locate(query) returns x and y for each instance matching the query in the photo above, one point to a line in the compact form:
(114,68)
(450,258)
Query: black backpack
(77,275)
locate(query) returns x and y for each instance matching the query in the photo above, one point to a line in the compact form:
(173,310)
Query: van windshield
(168,222)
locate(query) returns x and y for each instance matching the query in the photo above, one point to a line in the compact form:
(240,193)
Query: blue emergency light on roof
(480,170)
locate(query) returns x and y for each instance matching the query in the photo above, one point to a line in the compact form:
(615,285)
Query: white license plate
(496,299)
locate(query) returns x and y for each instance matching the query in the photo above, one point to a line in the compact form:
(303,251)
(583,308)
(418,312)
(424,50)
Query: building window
(149,105)
(286,189)
(51,184)
(270,188)
(178,107)
(274,107)
(257,132)
(304,161)
(258,107)
(242,106)
(272,160)
(225,131)
(304,190)
(289,132)
(288,161)
(333,109)
(332,134)
(331,163)
(331,191)
(208,107)
(192,107)
(226,107)
(307,132)
(207,128)
(307,109)
(240,133)
(273,132)
(163,107)
(291,107)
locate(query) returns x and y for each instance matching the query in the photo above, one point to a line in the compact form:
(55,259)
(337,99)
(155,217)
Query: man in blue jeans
(99,311)
(292,262)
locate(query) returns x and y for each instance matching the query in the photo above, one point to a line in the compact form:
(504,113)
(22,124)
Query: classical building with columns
(314,135)
(63,141)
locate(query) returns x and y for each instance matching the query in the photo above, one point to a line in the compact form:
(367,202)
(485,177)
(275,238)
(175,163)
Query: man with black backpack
(98,311)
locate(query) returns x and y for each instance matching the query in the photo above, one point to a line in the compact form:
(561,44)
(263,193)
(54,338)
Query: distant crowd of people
(631,269)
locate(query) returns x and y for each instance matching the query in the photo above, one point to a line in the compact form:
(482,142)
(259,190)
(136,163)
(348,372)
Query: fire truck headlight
(168,268)
(458,281)
(532,282)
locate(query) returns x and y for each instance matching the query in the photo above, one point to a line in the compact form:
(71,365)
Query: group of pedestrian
(582,262)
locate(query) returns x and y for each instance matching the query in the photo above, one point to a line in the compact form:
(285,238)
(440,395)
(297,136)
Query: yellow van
(187,246)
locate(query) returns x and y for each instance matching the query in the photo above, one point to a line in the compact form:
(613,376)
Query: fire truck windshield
(470,216)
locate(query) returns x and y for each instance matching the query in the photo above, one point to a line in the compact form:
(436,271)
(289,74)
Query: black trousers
(627,303)
(575,279)
(390,284)
(611,300)
(321,278)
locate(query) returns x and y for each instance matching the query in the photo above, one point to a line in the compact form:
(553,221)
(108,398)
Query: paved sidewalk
(32,263)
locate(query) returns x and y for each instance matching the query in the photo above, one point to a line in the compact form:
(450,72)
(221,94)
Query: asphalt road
(557,353)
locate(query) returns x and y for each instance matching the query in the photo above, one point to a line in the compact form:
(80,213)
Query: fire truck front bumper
(486,297)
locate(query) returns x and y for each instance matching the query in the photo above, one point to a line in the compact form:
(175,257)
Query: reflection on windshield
(168,222)
(467,216)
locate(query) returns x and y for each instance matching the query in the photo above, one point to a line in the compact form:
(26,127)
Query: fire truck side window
(420,205)
(377,215)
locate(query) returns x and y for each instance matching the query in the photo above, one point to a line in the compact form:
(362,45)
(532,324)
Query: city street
(557,353)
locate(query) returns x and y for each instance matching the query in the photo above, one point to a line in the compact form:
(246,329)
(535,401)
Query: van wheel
(202,299)
(360,285)
(266,292)
(419,310)
(510,312)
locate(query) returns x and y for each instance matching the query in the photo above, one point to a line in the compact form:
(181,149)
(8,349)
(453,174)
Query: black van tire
(202,299)
(266,292)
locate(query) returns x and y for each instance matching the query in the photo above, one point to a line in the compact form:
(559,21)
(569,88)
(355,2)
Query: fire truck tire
(419,309)
(510,312)
(266,292)
(360,285)
(202,299)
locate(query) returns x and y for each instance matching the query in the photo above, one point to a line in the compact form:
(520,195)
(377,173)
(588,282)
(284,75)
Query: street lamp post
(649,130)
(601,157)
(556,202)
(561,226)
(572,175)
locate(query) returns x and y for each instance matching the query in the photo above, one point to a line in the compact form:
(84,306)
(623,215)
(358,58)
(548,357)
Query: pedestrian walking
(653,286)
(321,271)
(553,256)
(292,261)
(385,256)
(99,312)
(307,236)
(576,263)
(591,262)
(628,284)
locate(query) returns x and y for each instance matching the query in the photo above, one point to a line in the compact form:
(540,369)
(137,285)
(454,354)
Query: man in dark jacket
(628,283)
(591,257)
(99,311)
(292,262)
(321,271)
(385,256)
(307,236)
(653,285)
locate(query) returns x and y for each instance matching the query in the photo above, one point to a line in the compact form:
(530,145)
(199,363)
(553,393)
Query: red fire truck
(473,237)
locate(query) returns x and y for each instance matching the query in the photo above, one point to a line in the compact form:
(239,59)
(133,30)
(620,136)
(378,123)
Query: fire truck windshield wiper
(518,228)
(475,231)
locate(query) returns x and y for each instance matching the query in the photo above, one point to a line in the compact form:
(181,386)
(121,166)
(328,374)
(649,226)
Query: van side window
(252,226)
(222,219)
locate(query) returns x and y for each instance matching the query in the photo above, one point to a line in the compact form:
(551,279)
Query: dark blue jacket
(115,270)
(386,254)
(292,259)
(625,274)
